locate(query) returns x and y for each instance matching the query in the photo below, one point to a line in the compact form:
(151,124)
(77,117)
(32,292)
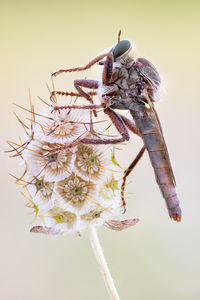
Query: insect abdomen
(149,127)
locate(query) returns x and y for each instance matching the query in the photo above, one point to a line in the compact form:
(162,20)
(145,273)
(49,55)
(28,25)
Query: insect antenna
(119,35)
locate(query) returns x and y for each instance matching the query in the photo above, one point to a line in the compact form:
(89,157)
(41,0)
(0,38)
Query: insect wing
(149,72)
(166,151)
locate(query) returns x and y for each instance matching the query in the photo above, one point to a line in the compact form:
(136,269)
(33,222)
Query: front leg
(90,84)
(88,66)
(109,75)
(108,69)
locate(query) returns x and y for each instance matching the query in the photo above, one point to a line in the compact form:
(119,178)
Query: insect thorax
(127,84)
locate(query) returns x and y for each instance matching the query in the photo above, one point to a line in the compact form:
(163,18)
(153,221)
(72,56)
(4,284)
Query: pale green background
(158,259)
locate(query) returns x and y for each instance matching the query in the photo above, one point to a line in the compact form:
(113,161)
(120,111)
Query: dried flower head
(75,187)
(62,126)
(51,166)
(110,187)
(60,220)
(41,191)
(74,191)
(91,161)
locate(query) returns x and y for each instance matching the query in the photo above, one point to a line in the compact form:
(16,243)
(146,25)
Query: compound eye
(121,48)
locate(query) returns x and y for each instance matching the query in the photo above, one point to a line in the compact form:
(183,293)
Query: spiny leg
(88,66)
(119,125)
(108,69)
(72,94)
(62,93)
(127,172)
(91,106)
(90,84)
(131,125)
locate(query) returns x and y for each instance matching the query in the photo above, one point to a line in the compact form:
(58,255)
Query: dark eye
(121,48)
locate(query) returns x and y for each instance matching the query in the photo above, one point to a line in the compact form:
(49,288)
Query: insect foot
(175,214)
(54,74)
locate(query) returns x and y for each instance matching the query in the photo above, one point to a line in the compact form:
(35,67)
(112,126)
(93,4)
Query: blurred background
(158,258)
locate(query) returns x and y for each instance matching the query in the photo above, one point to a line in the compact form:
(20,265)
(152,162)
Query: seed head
(91,161)
(70,187)
(63,126)
(42,162)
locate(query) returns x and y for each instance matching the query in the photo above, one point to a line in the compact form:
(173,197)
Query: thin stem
(98,252)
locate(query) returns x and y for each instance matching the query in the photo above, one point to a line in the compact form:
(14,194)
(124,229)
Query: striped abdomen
(149,127)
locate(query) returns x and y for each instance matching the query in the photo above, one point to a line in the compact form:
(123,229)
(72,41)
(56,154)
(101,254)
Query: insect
(131,84)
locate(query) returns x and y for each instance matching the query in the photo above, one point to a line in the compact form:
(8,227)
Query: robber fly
(131,84)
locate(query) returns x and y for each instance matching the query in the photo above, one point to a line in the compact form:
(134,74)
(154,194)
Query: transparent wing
(149,72)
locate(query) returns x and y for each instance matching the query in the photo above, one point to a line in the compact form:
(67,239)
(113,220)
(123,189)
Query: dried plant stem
(98,252)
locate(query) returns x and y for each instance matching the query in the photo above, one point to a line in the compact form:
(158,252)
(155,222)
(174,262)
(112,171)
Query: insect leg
(130,124)
(91,106)
(132,127)
(118,123)
(88,66)
(128,171)
(90,84)
(62,93)
(108,69)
